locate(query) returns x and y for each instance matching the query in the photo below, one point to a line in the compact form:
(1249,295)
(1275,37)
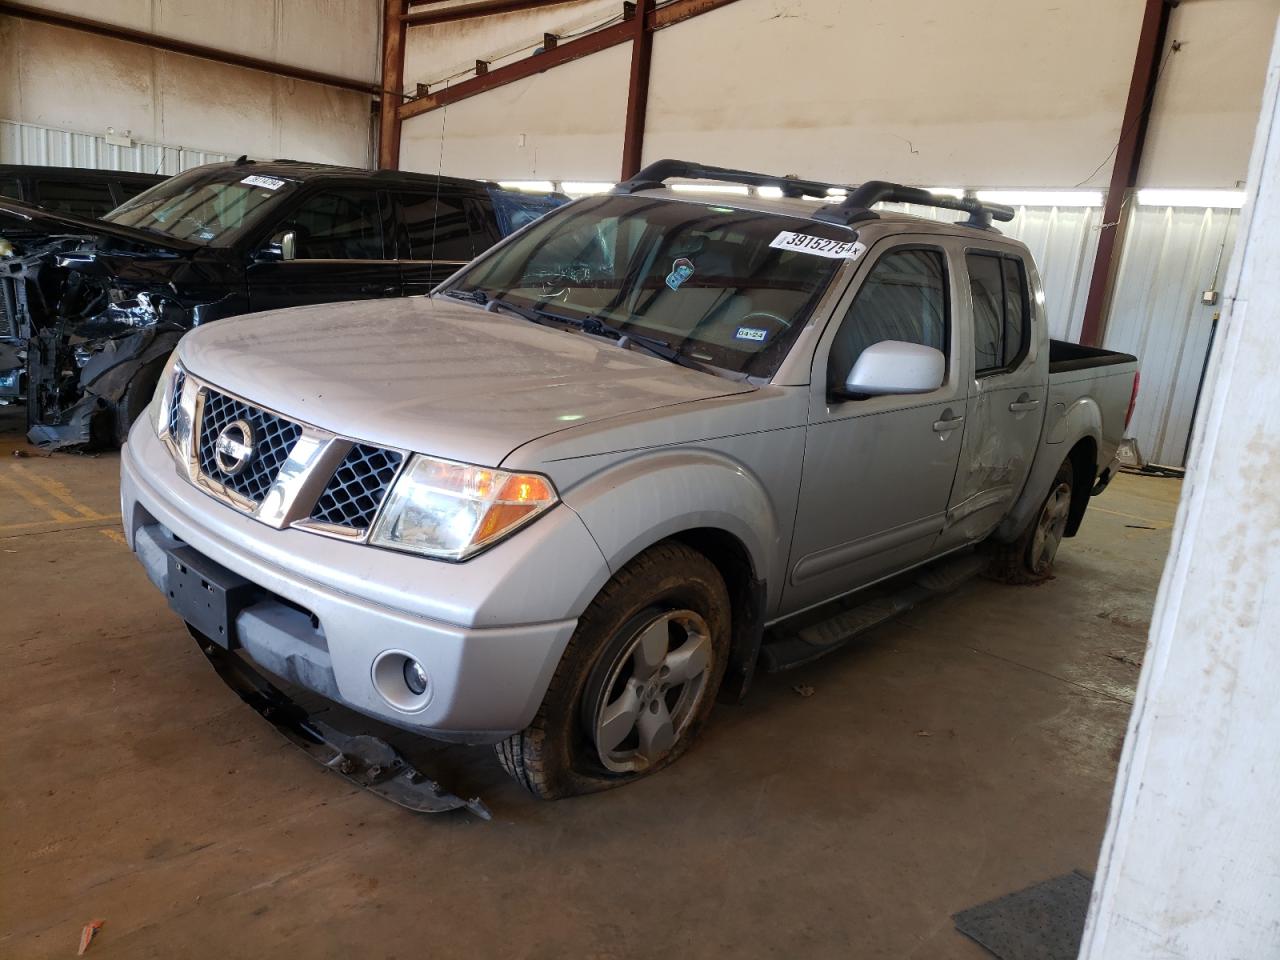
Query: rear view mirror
(281,246)
(895,366)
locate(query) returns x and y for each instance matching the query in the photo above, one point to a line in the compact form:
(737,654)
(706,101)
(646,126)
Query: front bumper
(332,608)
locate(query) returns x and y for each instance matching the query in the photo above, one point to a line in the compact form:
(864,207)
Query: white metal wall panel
(1170,257)
(48,147)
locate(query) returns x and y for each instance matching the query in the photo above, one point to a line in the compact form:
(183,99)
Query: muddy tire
(635,684)
(1029,558)
(136,397)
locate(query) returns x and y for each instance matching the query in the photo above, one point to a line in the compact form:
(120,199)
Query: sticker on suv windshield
(271,183)
(751,333)
(681,271)
(819,246)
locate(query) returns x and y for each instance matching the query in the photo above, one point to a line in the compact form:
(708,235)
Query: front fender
(634,504)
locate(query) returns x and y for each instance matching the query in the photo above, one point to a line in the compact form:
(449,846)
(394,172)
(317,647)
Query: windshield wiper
(475,296)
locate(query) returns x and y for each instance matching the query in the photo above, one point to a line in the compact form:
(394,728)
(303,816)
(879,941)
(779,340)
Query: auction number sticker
(271,183)
(819,246)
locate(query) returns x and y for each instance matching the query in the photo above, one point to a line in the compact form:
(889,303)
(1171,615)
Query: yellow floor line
(32,498)
(59,491)
(54,526)
(111,533)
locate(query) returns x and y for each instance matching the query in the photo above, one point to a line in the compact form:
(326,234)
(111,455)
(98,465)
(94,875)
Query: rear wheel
(1029,559)
(635,684)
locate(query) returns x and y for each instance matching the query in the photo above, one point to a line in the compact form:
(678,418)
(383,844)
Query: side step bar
(806,644)
(364,760)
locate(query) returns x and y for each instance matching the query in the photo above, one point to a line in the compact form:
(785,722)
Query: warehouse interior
(970,747)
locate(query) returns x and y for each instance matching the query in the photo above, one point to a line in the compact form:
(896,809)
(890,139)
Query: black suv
(74,190)
(99,304)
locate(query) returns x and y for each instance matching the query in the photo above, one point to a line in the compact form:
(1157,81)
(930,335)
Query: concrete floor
(962,752)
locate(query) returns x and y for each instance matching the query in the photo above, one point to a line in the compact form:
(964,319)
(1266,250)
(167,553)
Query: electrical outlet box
(1209,298)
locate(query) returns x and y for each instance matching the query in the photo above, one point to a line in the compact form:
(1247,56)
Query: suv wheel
(636,682)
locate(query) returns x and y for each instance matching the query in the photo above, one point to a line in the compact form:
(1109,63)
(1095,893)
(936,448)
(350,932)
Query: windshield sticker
(819,246)
(681,271)
(751,333)
(271,183)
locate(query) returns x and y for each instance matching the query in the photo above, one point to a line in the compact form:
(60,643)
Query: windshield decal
(271,183)
(751,333)
(681,271)
(819,246)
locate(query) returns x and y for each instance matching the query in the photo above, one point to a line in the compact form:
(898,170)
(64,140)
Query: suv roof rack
(855,207)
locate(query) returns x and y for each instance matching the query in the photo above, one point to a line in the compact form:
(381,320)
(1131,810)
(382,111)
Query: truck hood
(435,375)
(26,220)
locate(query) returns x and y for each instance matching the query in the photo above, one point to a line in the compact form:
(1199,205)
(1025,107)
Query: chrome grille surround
(284,487)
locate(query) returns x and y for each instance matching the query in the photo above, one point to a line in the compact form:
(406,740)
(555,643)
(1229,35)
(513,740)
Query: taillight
(1133,399)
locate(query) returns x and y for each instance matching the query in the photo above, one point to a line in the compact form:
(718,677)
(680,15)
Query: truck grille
(357,488)
(272,439)
(254,455)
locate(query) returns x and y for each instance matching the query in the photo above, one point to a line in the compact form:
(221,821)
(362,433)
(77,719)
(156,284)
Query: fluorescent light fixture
(953,192)
(530,186)
(1223,199)
(769,193)
(1043,198)
(584,188)
(726,188)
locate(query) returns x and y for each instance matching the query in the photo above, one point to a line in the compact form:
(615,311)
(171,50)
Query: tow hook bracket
(364,760)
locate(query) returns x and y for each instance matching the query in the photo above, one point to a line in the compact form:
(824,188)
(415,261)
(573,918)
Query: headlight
(158,408)
(454,510)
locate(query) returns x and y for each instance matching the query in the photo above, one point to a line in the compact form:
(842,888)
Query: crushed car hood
(27,220)
(435,375)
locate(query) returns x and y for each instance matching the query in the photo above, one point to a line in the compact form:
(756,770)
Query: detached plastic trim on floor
(1042,922)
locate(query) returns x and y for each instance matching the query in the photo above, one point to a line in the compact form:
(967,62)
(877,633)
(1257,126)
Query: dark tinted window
(78,199)
(340,225)
(9,188)
(1000,315)
(130,189)
(903,298)
(438,229)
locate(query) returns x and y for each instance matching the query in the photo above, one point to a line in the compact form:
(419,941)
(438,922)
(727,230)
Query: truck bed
(1065,356)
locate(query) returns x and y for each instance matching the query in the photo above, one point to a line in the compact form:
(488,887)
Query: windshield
(212,207)
(723,286)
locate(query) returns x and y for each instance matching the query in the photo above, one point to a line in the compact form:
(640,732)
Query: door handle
(947,425)
(1022,405)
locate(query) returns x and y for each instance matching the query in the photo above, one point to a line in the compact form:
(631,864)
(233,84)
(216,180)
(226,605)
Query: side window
(338,225)
(9,188)
(128,189)
(78,199)
(438,229)
(903,298)
(1000,310)
(1017,315)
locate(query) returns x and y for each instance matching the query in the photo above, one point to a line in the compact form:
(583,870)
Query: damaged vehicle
(613,466)
(91,309)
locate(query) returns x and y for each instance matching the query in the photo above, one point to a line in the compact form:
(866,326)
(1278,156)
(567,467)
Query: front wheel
(636,682)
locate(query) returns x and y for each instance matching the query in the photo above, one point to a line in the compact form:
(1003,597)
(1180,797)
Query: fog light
(415,678)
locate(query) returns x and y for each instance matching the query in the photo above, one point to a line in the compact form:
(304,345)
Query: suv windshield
(720,285)
(203,206)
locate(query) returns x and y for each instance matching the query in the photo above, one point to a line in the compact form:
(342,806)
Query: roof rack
(855,207)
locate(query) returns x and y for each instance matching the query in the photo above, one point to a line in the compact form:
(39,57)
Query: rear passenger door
(878,471)
(1005,407)
(439,231)
(340,252)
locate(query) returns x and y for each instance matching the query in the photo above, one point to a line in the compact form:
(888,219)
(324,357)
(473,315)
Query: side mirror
(894,366)
(281,246)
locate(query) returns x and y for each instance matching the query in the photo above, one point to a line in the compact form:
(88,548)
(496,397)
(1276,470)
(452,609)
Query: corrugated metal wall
(44,146)
(1169,258)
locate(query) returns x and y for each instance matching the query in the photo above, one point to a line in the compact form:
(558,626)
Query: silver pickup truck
(580,491)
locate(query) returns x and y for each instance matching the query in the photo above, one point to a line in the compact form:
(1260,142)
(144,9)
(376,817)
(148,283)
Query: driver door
(878,471)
